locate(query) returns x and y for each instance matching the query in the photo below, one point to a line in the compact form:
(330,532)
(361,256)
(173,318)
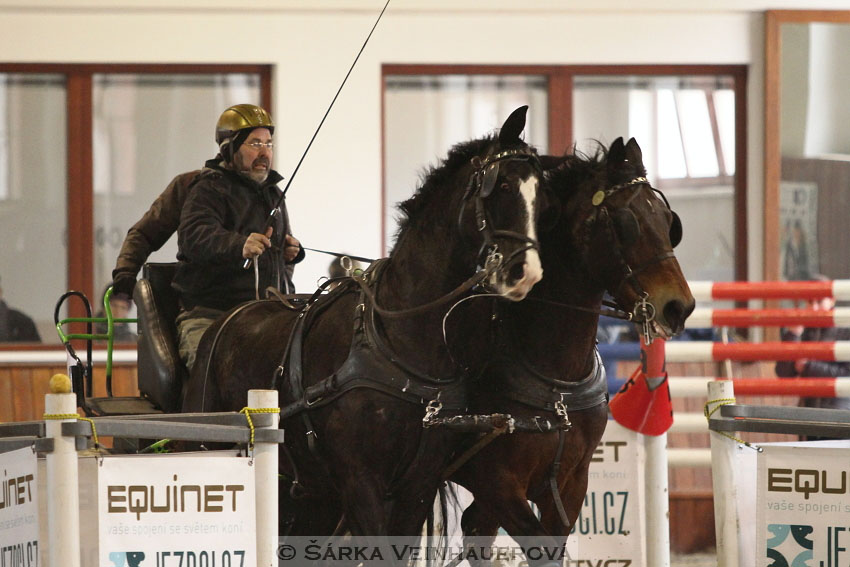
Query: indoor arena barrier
(699,351)
(778,503)
(137,515)
(706,351)
(702,351)
(695,387)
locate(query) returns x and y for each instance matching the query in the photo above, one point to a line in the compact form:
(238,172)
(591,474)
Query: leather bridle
(643,311)
(481,184)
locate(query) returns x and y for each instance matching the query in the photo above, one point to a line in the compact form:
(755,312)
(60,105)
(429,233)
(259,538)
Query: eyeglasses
(257,145)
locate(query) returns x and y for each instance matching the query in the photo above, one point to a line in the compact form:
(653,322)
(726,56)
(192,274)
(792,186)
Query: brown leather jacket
(151,232)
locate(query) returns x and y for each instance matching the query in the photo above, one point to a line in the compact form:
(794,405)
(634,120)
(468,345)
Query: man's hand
(291,248)
(257,243)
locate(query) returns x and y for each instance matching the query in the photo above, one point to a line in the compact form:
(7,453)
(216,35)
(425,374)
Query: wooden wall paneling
(21,378)
(124,381)
(692,522)
(7,397)
(39,386)
(22,388)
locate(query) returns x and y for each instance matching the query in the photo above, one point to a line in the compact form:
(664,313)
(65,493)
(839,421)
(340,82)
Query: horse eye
(505,186)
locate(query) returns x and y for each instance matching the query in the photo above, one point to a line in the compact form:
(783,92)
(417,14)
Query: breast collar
(524,384)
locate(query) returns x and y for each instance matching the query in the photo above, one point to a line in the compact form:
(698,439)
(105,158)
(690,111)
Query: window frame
(560,107)
(80,156)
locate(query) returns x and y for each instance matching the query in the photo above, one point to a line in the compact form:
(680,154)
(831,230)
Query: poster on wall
(798,234)
(166,511)
(610,527)
(19,508)
(803,503)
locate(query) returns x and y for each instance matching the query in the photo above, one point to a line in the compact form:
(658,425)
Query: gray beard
(258,178)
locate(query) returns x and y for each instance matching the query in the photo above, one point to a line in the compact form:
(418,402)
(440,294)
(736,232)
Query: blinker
(598,197)
(675,231)
(491,174)
(626,225)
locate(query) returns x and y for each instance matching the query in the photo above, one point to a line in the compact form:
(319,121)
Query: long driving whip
(270,222)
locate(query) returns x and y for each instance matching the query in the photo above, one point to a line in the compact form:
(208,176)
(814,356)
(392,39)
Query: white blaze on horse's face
(532,269)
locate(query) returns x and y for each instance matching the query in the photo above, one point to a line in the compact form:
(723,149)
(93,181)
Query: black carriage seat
(162,373)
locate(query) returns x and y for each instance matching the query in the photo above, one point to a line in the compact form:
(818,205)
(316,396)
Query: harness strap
(477,278)
(472,451)
(296,381)
(613,311)
(288,299)
(486,423)
(553,481)
(329,389)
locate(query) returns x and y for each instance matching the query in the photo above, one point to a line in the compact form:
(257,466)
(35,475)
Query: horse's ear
(617,151)
(633,153)
(513,126)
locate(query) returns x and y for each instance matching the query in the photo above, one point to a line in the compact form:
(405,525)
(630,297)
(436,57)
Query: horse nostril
(674,312)
(517,272)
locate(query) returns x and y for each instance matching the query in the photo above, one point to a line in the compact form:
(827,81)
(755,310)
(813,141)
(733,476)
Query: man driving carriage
(224,220)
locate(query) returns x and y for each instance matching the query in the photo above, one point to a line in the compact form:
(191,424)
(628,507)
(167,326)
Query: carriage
(412,374)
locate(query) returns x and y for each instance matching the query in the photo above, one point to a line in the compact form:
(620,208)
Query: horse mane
(580,166)
(439,177)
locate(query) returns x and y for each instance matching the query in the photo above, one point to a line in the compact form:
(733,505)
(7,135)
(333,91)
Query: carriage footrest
(121,406)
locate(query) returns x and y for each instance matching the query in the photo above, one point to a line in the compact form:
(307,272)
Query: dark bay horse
(615,233)
(362,365)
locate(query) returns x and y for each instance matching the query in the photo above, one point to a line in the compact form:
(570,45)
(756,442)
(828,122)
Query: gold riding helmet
(240,117)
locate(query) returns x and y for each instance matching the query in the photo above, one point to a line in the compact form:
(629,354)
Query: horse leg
(479,532)
(507,505)
(307,517)
(368,516)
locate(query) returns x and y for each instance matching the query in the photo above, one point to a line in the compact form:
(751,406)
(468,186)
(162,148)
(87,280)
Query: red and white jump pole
(707,351)
(692,387)
(703,317)
(741,291)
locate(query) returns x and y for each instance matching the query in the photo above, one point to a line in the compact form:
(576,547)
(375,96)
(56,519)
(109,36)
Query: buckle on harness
(431,411)
(561,412)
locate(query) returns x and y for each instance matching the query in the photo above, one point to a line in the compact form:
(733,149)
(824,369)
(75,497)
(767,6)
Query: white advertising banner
(610,528)
(19,509)
(803,503)
(170,511)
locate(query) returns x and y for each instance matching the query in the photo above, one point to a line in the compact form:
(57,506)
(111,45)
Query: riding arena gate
(66,505)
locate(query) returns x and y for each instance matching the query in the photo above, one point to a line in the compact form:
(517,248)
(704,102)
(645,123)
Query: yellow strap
(60,416)
(726,402)
(248,411)
(720,402)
